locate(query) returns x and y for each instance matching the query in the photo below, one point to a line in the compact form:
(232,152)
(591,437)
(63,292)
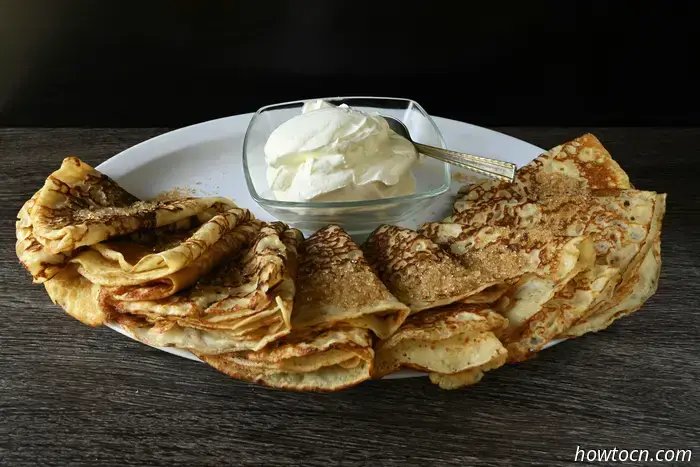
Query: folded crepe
(636,245)
(454,344)
(243,304)
(591,286)
(639,275)
(544,262)
(579,166)
(309,359)
(41,264)
(338,301)
(420,274)
(79,206)
(575,189)
(476,266)
(638,261)
(337,286)
(155,264)
(76,295)
(636,290)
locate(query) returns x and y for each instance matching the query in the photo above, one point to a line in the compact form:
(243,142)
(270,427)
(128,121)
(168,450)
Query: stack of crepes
(340,307)
(566,249)
(204,275)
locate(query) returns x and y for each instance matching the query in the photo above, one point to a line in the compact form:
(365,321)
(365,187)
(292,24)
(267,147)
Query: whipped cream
(336,153)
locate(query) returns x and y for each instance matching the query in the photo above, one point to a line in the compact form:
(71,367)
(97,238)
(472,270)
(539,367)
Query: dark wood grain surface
(71,395)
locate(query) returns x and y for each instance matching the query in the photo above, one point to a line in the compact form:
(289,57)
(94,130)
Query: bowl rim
(341,204)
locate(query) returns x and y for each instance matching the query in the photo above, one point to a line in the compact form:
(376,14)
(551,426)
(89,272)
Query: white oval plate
(207,158)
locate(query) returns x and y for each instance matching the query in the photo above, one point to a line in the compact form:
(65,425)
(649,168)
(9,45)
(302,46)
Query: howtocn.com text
(632,455)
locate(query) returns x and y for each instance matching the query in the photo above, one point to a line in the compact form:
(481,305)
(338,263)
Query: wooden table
(71,395)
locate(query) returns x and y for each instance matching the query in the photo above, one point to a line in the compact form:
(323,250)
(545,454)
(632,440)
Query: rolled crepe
(151,265)
(79,206)
(455,344)
(243,304)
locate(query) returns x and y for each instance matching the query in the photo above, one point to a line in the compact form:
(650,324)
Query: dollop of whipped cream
(336,153)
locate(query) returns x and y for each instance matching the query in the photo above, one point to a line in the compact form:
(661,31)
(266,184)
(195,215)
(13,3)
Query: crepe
(544,263)
(574,189)
(637,282)
(478,266)
(455,345)
(309,359)
(579,166)
(339,300)
(79,206)
(593,285)
(419,273)
(76,295)
(155,264)
(169,333)
(500,253)
(584,160)
(638,289)
(243,304)
(337,286)
(620,222)
(629,255)
(41,264)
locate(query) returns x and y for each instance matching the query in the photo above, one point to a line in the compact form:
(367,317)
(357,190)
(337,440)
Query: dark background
(109,63)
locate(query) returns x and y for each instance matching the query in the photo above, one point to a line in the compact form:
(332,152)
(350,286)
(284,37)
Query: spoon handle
(493,168)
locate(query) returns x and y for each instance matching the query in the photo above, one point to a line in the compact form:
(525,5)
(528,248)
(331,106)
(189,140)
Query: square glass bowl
(356,217)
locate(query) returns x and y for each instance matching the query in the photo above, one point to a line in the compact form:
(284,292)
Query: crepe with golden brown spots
(337,286)
(244,303)
(542,264)
(308,359)
(76,295)
(575,189)
(338,302)
(629,261)
(455,345)
(41,264)
(419,273)
(593,285)
(155,264)
(637,290)
(623,224)
(576,167)
(79,206)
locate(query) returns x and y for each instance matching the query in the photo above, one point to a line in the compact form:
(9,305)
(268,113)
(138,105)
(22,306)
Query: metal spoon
(493,168)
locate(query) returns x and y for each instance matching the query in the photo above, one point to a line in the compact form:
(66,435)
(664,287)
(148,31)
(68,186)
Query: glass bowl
(356,217)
